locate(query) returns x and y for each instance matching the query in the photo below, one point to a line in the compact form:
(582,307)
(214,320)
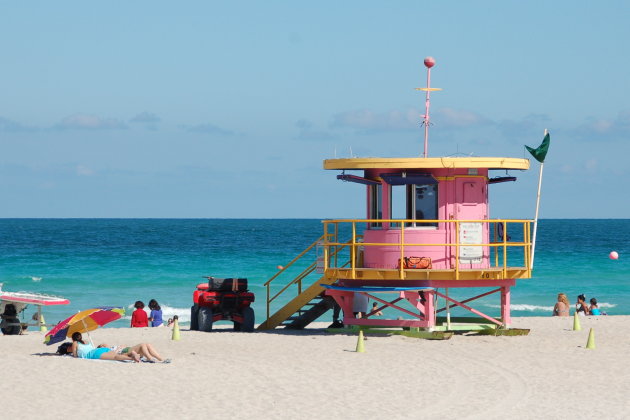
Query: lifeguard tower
(445,253)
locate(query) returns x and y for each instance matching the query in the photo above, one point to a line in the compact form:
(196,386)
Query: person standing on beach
(562,306)
(581,307)
(139,317)
(360,305)
(156,314)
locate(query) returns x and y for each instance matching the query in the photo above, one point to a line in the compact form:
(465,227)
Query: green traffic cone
(590,344)
(175,336)
(360,343)
(576,322)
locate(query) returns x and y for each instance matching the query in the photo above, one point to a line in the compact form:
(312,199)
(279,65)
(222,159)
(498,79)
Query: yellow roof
(427,163)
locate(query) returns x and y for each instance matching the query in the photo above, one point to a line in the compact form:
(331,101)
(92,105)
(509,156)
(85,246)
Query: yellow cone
(576,322)
(42,324)
(175,331)
(360,343)
(590,344)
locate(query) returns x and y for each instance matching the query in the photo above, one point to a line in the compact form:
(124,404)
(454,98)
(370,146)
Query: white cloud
(146,117)
(605,129)
(308,133)
(89,122)
(602,126)
(367,121)
(591,165)
(457,118)
(8,125)
(207,128)
(84,171)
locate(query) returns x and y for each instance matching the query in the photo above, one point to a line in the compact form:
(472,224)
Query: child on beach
(171,321)
(156,314)
(594,309)
(562,306)
(139,317)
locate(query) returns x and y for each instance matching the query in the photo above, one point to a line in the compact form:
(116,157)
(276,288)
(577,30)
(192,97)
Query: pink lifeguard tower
(445,252)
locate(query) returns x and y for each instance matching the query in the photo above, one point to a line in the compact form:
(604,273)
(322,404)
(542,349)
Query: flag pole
(427,104)
(540,174)
(428,63)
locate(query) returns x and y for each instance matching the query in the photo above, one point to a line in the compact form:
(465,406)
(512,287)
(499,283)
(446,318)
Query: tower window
(376,204)
(422,204)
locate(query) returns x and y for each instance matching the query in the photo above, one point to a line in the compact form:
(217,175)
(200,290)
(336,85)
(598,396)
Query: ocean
(114,262)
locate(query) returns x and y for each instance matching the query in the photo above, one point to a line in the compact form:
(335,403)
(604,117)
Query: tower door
(471,204)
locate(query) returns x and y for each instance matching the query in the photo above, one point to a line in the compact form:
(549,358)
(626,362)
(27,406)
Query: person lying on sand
(139,352)
(82,350)
(144,350)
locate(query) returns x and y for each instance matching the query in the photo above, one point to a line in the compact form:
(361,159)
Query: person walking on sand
(139,317)
(156,314)
(562,306)
(580,307)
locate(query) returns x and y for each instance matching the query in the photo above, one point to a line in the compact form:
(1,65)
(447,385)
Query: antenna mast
(428,62)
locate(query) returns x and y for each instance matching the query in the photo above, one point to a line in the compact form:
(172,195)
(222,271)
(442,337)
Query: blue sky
(227,109)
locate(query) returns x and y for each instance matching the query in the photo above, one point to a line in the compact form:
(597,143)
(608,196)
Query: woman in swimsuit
(562,306)
(87,351)
(581,307)
(145,351)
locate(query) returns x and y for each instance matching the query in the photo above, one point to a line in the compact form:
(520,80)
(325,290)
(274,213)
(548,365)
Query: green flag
(540,153)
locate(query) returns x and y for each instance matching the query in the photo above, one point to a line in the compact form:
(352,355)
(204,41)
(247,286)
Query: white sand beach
(311,374)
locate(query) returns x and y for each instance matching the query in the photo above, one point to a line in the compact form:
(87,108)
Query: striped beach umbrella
(84,321)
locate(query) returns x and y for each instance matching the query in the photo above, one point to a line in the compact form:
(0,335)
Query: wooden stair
(317,307)
(294,312)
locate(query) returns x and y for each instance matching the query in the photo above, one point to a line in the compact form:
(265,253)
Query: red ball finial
(429,62)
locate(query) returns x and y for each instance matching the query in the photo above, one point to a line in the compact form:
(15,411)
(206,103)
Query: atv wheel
(204,319)
(194,314)
(248,320)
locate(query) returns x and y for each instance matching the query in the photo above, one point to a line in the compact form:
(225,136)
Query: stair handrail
(294,260)
(308,270)
(298,279)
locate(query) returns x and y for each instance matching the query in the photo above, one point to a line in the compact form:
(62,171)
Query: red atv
(222,299)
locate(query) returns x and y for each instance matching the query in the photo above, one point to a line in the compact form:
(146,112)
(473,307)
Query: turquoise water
(114,262)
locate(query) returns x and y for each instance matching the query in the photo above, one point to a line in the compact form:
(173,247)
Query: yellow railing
(332,228)
(297,280)
(334,258)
